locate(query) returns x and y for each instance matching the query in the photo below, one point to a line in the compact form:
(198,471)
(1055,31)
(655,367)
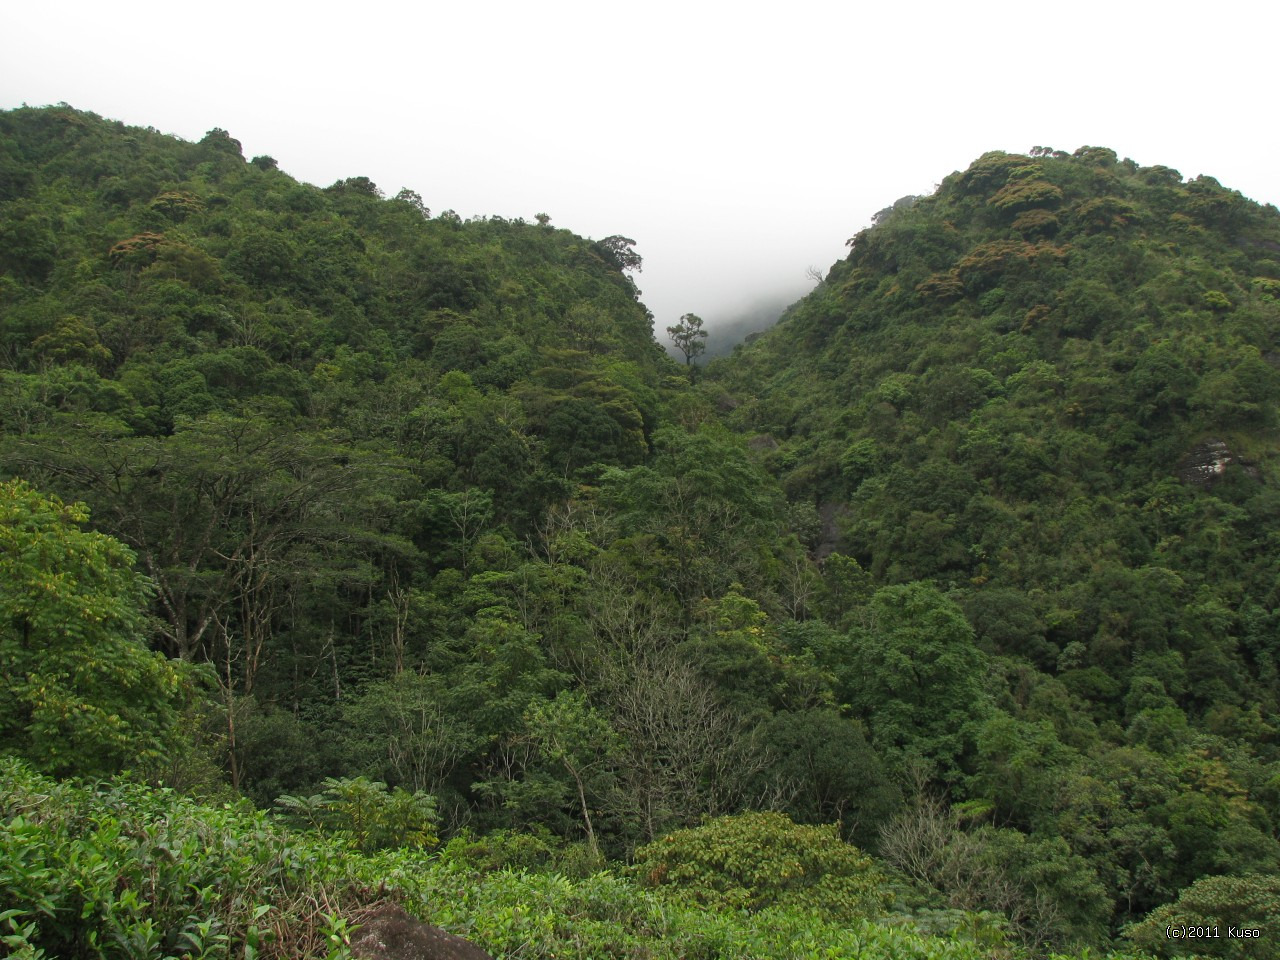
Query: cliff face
(1208,462)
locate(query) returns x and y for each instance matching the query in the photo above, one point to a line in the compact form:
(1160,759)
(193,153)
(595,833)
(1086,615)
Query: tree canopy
(83,694)
(410,520)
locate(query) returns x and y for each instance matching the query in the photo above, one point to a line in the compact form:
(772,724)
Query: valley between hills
(354,554)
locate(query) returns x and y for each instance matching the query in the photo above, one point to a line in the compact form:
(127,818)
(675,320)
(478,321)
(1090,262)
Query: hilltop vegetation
(1050,390)
(954,592)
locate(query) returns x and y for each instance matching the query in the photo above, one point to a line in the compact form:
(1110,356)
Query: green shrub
(365,815)
(80,694)
(125,871)
(757,860)
(1218,906)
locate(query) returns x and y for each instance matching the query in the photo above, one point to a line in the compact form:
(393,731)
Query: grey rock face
(1205,463)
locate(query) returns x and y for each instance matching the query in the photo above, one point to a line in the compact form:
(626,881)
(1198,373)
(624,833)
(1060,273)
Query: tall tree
(913,673)
(688,336)
(80,693)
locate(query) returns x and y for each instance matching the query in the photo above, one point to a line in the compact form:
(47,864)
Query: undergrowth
(120,870)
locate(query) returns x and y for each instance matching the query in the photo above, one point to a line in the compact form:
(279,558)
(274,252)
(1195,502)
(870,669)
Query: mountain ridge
(972,554)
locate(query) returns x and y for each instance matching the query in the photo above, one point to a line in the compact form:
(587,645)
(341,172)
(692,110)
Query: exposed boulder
(388,933)
(1208,461)
(1205,463)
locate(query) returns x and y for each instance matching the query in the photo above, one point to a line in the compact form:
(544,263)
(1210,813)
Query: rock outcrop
(1205,463)
(388,933)
(1208,461)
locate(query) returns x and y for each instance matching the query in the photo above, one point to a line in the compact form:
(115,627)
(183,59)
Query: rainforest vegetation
(352,551)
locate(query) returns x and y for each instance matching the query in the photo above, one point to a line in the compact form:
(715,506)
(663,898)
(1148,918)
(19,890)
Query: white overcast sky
(738,144)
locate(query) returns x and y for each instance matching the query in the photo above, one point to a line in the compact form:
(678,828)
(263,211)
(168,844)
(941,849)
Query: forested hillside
(1050,391)
(406,528)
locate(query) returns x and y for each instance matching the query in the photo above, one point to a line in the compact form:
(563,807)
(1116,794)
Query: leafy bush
(1217,906)
(362,813)
(757,860)
(123,871)
(79,691)
(128,872)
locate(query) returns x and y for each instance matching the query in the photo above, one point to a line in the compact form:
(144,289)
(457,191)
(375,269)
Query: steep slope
(198,282)
(1049,390)
(313,414)
(421,502)
(1056,376)
(403,487)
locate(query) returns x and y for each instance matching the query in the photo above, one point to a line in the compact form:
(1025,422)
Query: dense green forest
(938,621)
